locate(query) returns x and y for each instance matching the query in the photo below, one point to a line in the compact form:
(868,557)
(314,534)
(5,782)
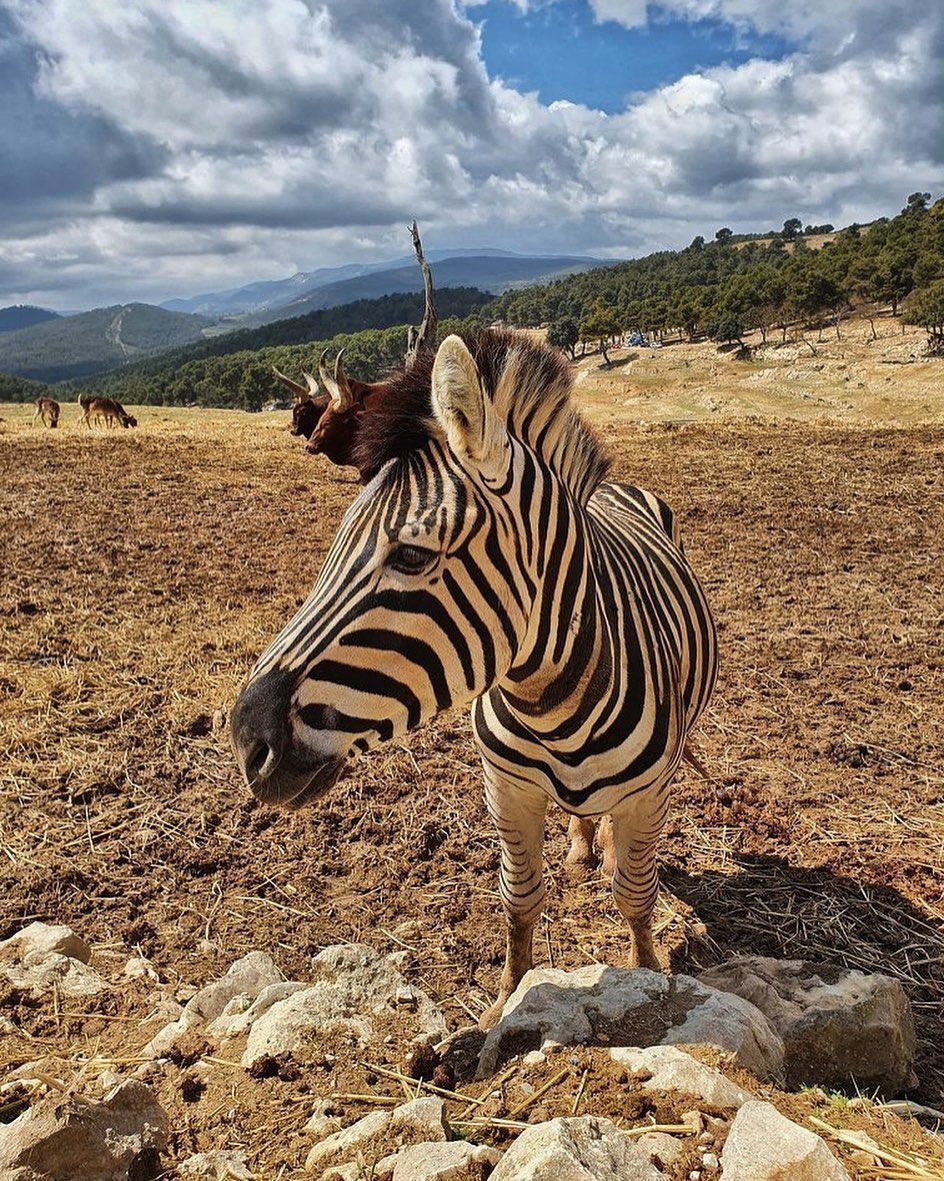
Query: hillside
(78,346)
(23,315)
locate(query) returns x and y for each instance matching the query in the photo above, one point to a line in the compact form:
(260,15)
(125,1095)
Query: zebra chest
(589,772)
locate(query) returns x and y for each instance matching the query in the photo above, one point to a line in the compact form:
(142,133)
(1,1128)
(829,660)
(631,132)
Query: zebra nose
(259,725)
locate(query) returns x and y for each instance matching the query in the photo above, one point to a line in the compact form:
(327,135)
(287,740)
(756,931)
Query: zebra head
(426,594)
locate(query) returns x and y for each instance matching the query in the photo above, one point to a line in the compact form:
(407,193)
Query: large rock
(599,1005)
(355,983)
(763,1145)
(246,978)
(583,1148)
(671,1069)
(76,1138)
(40,957)
(840,1027)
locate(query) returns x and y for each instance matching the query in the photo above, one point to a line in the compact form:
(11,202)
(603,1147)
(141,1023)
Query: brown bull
(308,405)
(351,406)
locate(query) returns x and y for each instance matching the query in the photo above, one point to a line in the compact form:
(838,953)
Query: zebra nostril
(260,762)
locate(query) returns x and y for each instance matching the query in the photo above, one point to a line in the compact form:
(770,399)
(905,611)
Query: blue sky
(562,52)
(160,148)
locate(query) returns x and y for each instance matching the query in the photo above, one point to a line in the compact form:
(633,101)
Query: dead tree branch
(422,338)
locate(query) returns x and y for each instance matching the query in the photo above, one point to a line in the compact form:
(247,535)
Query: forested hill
(23,315)
(734,285)
(236,369)
(77,346)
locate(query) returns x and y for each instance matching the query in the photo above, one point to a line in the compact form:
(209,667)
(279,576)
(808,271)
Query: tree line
(720,290)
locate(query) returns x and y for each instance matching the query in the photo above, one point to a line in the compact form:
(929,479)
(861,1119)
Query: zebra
(488,562)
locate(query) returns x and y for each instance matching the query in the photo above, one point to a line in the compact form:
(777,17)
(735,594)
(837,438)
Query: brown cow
(105,408)
(47,411)
(337,431)
(308,406)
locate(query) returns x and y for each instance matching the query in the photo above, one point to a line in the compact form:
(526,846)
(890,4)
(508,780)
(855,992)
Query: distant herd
(330,421)
(94,410)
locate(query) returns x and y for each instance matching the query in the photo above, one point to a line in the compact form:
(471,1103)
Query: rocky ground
(142,573)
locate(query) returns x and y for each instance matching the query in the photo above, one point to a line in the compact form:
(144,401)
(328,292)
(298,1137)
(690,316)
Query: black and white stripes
(487,563)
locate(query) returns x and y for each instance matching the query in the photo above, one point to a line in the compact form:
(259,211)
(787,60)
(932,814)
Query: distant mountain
(23,315)
(486,268)
(77,346)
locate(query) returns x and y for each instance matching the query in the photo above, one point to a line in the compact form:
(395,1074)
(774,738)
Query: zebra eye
(411,559)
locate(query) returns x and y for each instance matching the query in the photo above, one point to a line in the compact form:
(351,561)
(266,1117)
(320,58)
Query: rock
(763,1145)
(662,1149)
(74,1137)
(240,1012)
(355,983)
(139,968)
(599,1005)
(420,1119)
(671,1069)
(247,977)
(218,1165)
(583,1148)
(454,1161)
(841,1028)
(321,1123)
(39,939)
(40,957)
(348,1141)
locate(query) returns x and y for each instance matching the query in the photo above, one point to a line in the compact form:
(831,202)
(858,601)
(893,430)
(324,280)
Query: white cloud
(158,147)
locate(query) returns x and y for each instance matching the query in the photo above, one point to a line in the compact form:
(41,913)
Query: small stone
(443,1161)
(216,1165)
(348,1140)
(670,1069)
(662,1149)
(695,1121)
(424,1119)
(534,1058)
(710,1161)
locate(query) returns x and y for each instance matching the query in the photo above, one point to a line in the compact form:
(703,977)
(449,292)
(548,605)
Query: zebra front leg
(518,815)
(635,876)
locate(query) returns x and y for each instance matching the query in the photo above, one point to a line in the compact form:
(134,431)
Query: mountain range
(487,268)
(44,346)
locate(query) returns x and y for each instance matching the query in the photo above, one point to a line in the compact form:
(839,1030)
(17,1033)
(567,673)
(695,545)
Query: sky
(159,148)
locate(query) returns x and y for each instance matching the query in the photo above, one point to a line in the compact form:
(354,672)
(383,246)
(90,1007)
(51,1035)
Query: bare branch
(422,338)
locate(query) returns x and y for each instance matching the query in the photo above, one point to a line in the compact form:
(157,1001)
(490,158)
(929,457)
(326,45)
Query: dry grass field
(142,572)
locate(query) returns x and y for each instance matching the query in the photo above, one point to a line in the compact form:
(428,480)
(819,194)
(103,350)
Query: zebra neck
(568,661)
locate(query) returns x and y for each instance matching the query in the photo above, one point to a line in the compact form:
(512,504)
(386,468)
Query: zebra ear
(473,430)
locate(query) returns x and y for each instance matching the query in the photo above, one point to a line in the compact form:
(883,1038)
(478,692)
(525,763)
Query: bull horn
(298,390)
(336,386)
(313,390)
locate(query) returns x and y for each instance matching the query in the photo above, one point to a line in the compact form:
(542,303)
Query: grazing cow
(47,411)
(105,408)
(336,435)
(308,406)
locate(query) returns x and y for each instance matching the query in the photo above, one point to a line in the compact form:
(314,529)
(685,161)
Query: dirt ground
(142,572)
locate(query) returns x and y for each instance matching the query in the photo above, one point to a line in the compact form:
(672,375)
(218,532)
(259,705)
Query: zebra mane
(530,387)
